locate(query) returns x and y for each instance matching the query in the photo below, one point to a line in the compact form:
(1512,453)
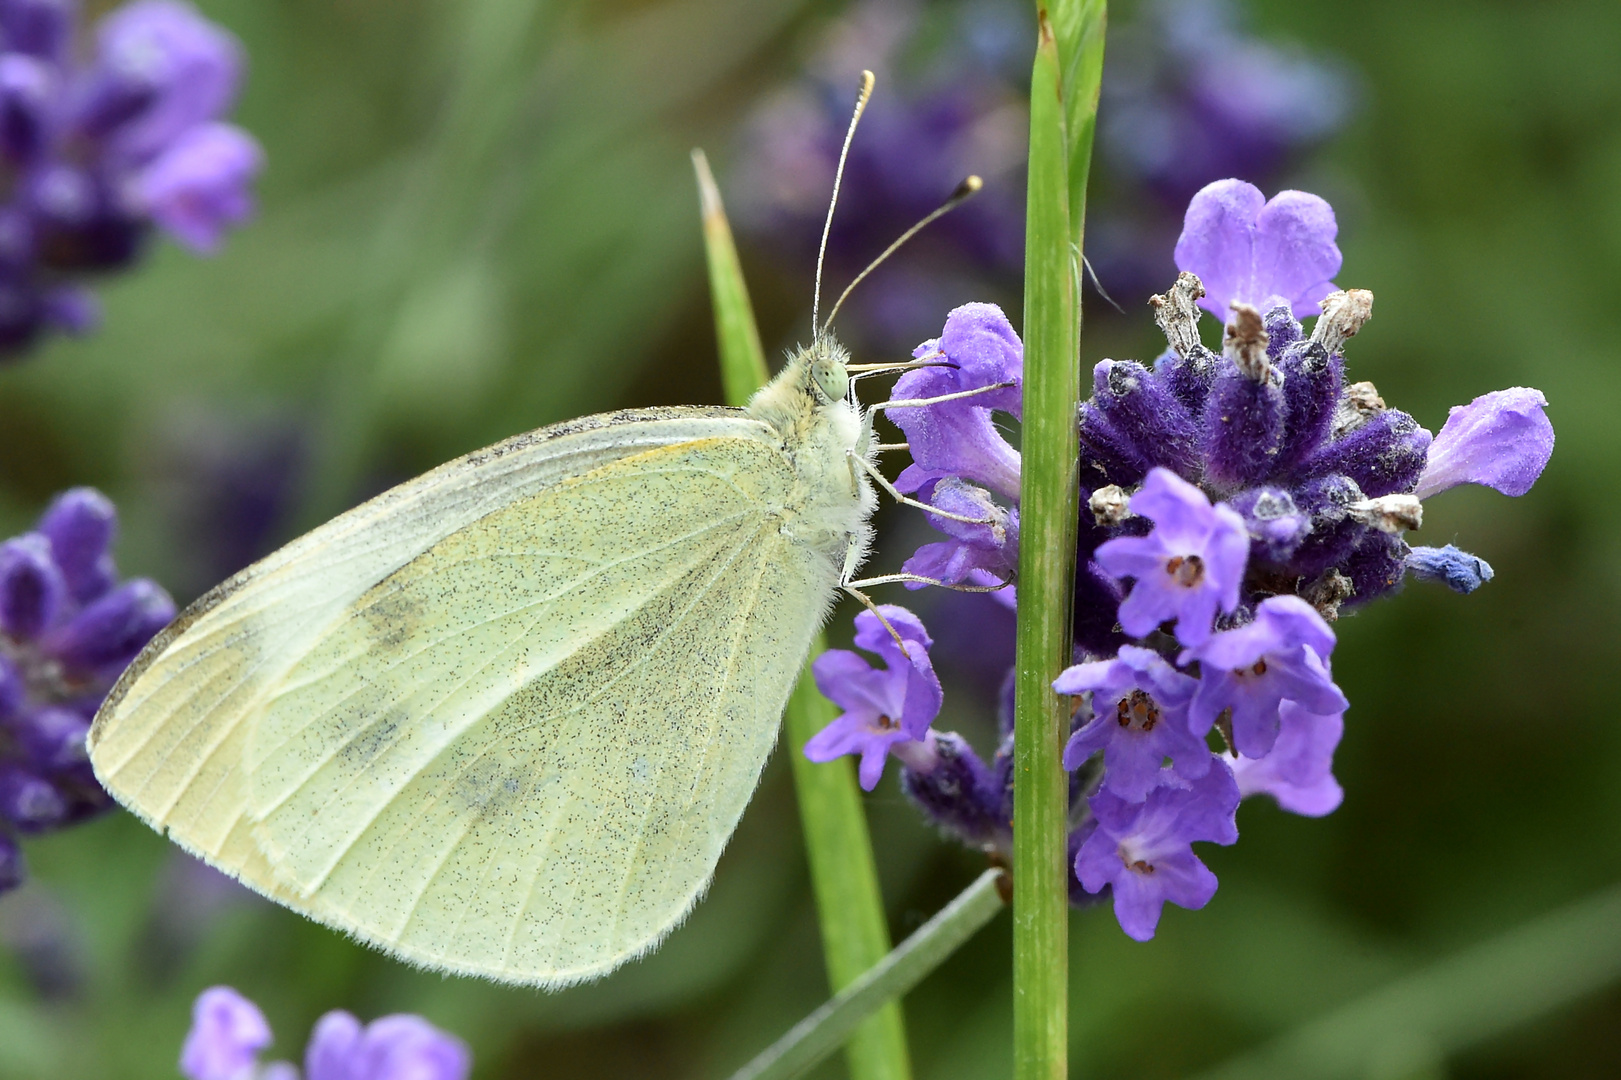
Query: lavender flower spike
(1187,568)
(1502,440)
(882,709)
(1282,655)
(1248,250)
(227,1033)
(1297,773)
(1139,718)
(1144,849)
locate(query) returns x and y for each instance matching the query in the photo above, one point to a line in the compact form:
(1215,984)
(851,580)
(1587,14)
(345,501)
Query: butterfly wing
(503,732)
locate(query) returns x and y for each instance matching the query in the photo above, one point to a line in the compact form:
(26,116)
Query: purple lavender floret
(977,349)
(1143,849)
(959,793)
(974,552)
(1298,772)
(1384,455)
(102,148)
(67,630)
(229,1033)
(1276,526)
(1162,430)
(1139,718)
(1502,440)
(1281,655)
(1186,569)
(1450,566)
(884,710)
(1251,250)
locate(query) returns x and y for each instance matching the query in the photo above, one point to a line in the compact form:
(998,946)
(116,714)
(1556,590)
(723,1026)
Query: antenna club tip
(867,79)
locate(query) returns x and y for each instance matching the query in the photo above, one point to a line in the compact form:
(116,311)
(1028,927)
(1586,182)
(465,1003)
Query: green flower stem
(819,1034)
(1479,994)
(845,879)
(1063,106)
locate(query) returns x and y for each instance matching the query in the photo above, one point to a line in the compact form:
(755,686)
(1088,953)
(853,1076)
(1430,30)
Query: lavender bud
(1107,450)
(53,738)
(1282,330)
(960,794)
(1276,526)
(29,803)
(1149,415)
(39,28)
(12,868)
(1189,378)
(1376,566)
(1243,426)
(80,524)
(1456,569)
(1384,456)
(31,587)
(25,90)
(1334,533)
(1311,393)
(110,631)
(12,688)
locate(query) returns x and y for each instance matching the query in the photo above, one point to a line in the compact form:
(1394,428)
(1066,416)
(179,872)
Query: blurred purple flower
(100,149)
(883,709)
(1249,250)
(1298,771)
(1139,719)
(1143,849)
(202,184)
(67,630)
(1189,566)
(228,1033)
(1283,654)
(1502,440)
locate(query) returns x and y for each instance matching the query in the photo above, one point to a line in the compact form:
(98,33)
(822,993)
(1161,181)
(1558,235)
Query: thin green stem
(1063,106)
(819,1034)
(844,876)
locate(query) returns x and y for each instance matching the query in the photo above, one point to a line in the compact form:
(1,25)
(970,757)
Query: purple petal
(227,1033)
(108,633)
(847,680)
(332,1047)
(202,184)
(406,1047)
(1249,251)
(1298,771)
(1502,440)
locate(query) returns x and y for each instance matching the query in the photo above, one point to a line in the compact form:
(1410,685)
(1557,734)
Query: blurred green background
(479,218)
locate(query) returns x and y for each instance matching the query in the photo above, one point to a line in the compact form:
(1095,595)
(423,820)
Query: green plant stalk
(811,1040)
(844,876)
(1462,1001)
(1063,108)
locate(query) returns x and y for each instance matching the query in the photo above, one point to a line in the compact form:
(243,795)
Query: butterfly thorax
(808,404)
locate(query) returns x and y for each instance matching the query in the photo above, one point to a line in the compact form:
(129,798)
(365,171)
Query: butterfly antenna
(838,177)
(965,190)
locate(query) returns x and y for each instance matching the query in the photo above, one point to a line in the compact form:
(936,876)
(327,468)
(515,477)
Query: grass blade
(849,905)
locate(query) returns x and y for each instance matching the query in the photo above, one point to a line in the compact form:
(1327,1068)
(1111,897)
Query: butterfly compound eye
(830,377)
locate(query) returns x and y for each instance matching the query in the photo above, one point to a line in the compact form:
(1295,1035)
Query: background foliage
(479,218)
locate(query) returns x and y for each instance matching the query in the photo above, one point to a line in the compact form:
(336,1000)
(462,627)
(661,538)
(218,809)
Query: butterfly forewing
(502,725)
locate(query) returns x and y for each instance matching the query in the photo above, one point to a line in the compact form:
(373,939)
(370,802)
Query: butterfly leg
(861,462)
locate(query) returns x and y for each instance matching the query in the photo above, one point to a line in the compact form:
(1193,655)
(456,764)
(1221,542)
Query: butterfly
(502,719)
